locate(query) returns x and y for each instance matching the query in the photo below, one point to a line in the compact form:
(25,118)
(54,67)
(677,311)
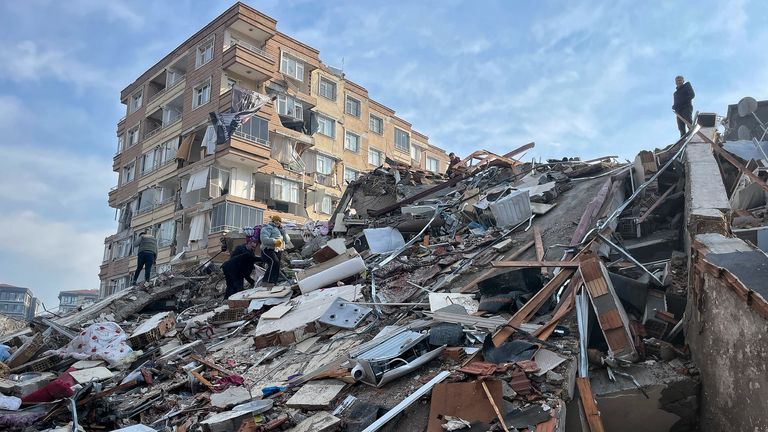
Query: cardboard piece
(465,400)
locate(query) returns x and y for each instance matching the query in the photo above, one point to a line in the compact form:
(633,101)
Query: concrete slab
(230,397)
(99,373)
(316,394)
(320,422)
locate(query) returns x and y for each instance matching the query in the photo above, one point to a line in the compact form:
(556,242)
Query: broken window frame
(284,190)
(378,158)
(402,140)
(416,153)
(349,138)
(291,66)
(376,124)
(323,123)
(433,161)
(350,174)
(287,104)
(326,88)
(201,93)
(353,106)
(204,52)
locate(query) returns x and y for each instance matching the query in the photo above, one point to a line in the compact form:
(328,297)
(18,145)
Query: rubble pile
(508,296)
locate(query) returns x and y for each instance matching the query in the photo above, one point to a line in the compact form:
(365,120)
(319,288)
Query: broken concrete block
(99,373)
(230,397)
(153,329)
(29,383)
(316,394)
(320,422)
(224,422)
(87,364)
(25,352)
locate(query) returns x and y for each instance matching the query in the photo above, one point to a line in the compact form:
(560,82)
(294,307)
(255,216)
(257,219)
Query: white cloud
(27,61)
(47,255)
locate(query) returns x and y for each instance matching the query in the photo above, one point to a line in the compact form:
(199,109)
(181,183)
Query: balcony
(251,138)
(247,63)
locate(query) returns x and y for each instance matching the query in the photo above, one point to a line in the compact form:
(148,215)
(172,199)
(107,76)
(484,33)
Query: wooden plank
(529,308)
(610,320)
(202,379)
(495,407)
(589,404)
(539,246)
(567,302)
(485,274)
(528,264)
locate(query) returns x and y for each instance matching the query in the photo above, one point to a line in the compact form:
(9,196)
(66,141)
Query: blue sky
(577,77)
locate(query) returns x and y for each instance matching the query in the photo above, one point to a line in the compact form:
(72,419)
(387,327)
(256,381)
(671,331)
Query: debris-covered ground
(509,296)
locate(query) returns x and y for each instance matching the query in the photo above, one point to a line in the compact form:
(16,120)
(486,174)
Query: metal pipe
(630,257)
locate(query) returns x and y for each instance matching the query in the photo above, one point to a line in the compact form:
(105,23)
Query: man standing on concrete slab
(683,102)
(146,245)
(271,249)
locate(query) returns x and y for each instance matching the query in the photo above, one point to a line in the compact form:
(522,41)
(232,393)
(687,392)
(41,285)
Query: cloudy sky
(575,77)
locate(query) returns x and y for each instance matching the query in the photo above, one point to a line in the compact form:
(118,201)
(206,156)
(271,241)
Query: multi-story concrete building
(293,158)
(71,300)
(18,302)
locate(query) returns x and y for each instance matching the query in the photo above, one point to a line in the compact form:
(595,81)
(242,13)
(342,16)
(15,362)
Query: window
(219,182)
(204,53)
(129,171)
(148,160)
(326,126)
(172,77)
(291,67)
(285,190)
(433,164)
(352,106)
(289,106)
(416,154)
(350,175)
(120,143)
(351,142)
(201,94)
(136,99)
(324,205)
(230,216)
(402,140)
(170,115)
(374,157)
(256,129)
(165,233)
(133,136)
(327,88)
(167,151)
(324,165)
(376,124)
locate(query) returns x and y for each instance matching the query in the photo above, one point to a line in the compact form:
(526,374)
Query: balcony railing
(252,48)
(153,132)
(252,138)
(167,88)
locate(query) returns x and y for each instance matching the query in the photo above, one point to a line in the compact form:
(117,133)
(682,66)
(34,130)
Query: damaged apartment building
(293,158)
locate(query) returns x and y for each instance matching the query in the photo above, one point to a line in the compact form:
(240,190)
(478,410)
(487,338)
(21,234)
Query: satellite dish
(747,105)
(744,133)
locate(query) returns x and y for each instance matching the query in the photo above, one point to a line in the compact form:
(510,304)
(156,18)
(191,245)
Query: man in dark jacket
(237,268)
(683,102)
(250,246)
(146,246)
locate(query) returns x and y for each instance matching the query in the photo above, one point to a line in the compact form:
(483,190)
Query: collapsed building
(566,295)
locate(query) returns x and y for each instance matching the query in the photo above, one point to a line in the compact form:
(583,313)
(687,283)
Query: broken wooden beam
(655,205)
(529,264)
(589,404)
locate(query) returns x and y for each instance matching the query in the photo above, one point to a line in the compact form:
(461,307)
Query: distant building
(18,302)
(71,300)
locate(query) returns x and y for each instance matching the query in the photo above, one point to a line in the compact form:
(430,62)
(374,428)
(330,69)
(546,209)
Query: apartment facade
(292,158)
(71,300)
(18,302)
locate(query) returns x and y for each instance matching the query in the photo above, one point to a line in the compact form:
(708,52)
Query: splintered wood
(610,313)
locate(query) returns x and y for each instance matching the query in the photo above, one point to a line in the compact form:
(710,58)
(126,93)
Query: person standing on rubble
(146,245)
(237,268)
(250,246)
(272,235)
(683,102)
(453,160)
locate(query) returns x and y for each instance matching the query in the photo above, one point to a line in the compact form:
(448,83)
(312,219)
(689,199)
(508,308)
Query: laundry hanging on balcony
(225,124)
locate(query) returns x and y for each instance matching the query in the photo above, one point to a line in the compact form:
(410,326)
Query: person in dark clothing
(683,102)
(237,268)
(146,245)
(453,160)
(250,246)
